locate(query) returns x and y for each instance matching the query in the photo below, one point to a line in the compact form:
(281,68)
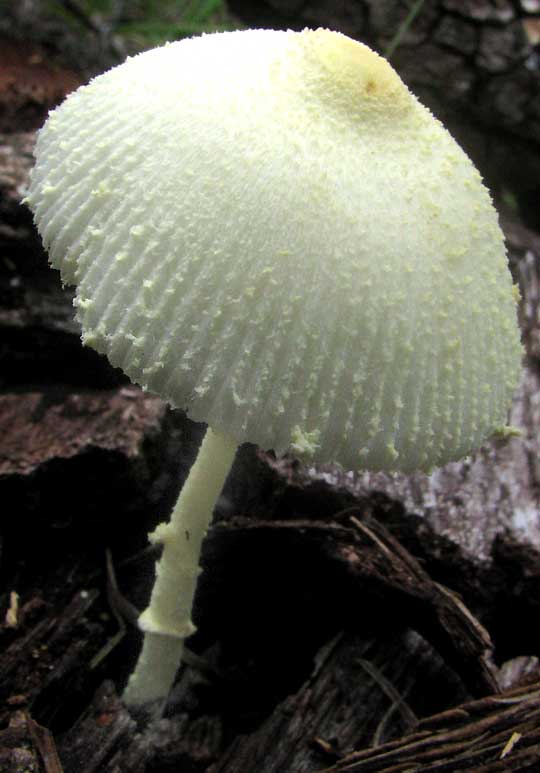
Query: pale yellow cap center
(354,68)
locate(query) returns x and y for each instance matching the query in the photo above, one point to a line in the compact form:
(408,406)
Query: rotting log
(498,733)
(317,576)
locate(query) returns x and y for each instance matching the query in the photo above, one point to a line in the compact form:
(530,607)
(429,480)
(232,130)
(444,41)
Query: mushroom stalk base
(166,621)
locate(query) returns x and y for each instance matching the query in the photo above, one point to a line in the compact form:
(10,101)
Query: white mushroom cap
(268,229)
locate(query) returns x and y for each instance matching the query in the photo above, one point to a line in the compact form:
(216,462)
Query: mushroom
(267,229)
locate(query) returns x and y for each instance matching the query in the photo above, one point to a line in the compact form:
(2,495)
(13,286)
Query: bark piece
(498,733)
(357,551)
(72,457)
(26,747)
(38,428)
(359,694)
(104,739)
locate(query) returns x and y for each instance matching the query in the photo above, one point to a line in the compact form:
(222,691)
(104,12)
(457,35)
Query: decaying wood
(349,622)
(26,747)
(498,733)
(363,552)
(360,692)
(105,738)
(79,422)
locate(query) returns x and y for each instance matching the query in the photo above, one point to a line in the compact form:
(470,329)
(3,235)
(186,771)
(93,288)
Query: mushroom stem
(166,621)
